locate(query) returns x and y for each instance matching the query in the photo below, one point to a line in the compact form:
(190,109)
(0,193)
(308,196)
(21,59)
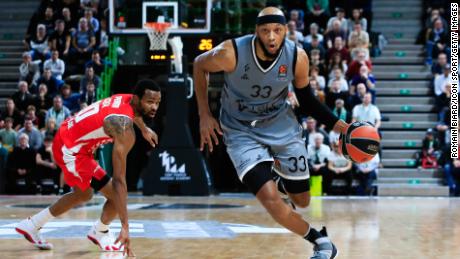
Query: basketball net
(158,33)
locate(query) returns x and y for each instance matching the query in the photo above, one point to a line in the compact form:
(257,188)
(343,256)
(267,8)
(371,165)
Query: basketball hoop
(158,34)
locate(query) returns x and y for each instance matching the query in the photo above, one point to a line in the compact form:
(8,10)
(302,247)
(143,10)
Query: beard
(266,52)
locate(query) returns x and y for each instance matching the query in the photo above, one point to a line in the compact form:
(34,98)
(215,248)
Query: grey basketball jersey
(253,93)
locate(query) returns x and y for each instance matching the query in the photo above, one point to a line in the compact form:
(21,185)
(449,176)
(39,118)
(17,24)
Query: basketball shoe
(324,248)
(105,240)
(32,234)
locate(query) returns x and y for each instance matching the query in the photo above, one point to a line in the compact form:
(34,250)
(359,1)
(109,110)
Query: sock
(101,227)
(41,218)
(313,236)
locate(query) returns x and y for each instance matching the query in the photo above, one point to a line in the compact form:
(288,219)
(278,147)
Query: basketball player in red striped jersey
(108,120)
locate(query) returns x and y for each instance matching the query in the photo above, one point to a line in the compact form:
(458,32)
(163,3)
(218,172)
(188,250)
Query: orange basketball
(360,143)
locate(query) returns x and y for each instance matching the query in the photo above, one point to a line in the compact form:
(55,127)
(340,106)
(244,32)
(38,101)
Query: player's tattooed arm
(118,126)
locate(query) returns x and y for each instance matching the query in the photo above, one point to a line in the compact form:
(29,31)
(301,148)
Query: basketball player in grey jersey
(259,129)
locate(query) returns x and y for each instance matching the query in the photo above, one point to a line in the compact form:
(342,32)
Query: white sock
(101,227)
(41,218)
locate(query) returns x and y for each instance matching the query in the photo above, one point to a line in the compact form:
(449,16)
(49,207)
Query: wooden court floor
(235,226)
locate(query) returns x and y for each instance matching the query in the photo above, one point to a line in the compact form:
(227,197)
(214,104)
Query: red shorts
(79,170)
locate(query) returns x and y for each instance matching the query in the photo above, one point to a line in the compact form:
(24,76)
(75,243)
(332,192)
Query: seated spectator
(293,34)
(335,93)
(31,113)
(12,112)
(340,111)
(317,91)
(356,17)
(365,78)
(438,41)
(96,62)
(21,163)
(430,150)
(90,76)
(92,22)
(60,39)
(83,41)
(55,65)
(314,33)
(315,61)
(22,98)
(317,12)
(440,83)
(70,100)
(339,47)
(336,32)
(35,137)
(310,128)
(28,71)
(358,40)
(8,135)
(51,82)
(104,36)
(50,128)
(337,62)
(42,102)
(338,76)
(340,17)
(49,20)
(443,102)
(429,23)
(39,44)
(438,66)
(314,74)
(357,98)
(366,173)
(46,167)
(338,167)
(354,67)
(317,156)
(59,112)
(315,44)
(90,95)
(70,23)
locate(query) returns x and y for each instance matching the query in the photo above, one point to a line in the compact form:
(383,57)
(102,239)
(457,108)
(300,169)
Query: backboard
(186,16)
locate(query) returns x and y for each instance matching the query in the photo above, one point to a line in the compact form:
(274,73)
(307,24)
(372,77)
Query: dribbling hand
(123,240)
(208,128)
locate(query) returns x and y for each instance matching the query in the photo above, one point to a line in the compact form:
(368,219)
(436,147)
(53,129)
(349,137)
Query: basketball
(360,143)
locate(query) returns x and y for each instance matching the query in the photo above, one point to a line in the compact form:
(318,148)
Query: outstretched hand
(123,240)
(208,128)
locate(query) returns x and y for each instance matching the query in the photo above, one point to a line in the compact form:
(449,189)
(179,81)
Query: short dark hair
(145,84)
(28,118)
(9,119)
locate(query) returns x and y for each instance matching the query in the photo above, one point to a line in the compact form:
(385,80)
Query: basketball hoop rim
(158,26)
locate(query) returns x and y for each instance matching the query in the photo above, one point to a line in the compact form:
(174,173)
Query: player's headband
(272,18)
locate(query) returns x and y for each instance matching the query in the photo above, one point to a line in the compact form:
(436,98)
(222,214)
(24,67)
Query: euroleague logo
(282,73)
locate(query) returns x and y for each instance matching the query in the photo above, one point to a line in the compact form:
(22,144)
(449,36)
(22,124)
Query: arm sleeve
(310,105)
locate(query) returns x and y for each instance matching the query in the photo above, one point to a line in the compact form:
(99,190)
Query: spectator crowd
(335,36)
(65,44)
(435,37)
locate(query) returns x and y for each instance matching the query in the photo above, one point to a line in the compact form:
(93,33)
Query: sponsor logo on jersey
(282,73)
